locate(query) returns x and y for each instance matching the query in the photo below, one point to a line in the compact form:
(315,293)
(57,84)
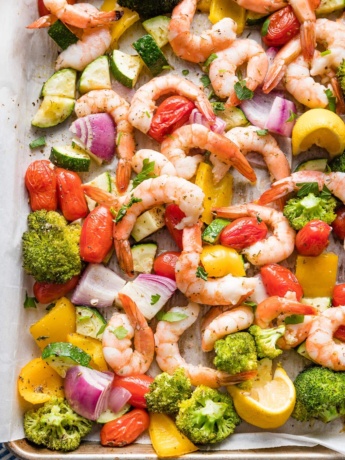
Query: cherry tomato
(280,27)
(125,429)
(164,264)
(138,385)
(48,292)
(96,236)
(172,113)
(340,333)
(279,280)
(71,197)
(338,296)
(40,181)
(312,239)
(243,232)
(43,10)
(338,224)
(173,216)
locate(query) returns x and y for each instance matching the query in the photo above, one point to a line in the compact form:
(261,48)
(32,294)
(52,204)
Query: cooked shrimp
(275,247)
(161,164)
(118,351)
(228,290)
(169,358)
(223,69)
(295,333)
(320,344)
(234,320)
(305,12)
(192,47)
(273,307)
(263,6)
(334,181)
(176,147)
(108,101)
(143,102)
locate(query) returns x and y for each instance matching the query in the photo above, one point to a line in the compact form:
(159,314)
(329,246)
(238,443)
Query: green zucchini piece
(72,158)
(62,35)
(126,68)
(96,75)
(212,231)
(105,182)
(90,322)
(62,83)
(108,415)
(151,54)
(158,28)
(319,164)
(302,350)
(321,303)
(39,142)
(62,355)
(143,256)
(328,6)
(149,222)
(253,19)
(53,111)
(233,116)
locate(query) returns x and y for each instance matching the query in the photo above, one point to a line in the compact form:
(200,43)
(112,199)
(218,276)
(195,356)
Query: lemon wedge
(270,401)
(321,127)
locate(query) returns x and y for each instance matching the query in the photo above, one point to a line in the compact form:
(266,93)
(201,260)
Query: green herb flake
(264,28)
(29,302)
(250,303)
(210,59)
(185,72)
(118,140)
(307,187)
(332,105)
(325,192)
(154,299)
(292,117)
(201,273)
(294,319)
(171,316)
(146,172)
(205,80)
(120,332)
(242,92)
(123,210)
(101,330)
(324,53)
(262,132)
(39,142)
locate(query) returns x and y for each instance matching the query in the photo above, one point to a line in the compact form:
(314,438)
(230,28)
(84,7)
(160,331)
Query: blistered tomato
(279,280)
(96,236)
(243,232)
(165,263)
(280,27)
(40,181)
(71,197)
(312,239)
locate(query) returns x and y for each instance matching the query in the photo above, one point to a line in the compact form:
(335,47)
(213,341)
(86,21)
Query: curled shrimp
(276,247)
(192,47)
(161,164)
(118,352)
(223,69)
(169,358)
(305,12)
(143,102)
(295,333)
(106,100)
(228,290)
(234,320)
(176,147)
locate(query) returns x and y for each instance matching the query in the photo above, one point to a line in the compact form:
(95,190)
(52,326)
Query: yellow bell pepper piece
(92,347)
(220,9)
(215,194)
(317,275)
(56,324)
(219,261)
(204,6)
(119,27)
(166,439)
(38,382)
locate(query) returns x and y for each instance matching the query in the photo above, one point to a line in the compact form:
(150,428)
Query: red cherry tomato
(164,264)
(243,232)
(279,280)
(96,236)
(137,385)
(280,27)
(312,239)
(173,216)
(172,113)
(338,297)
(43,10)
(125,430)
(48,292)
(340,333)
(338,224)
(71,197)
(40,181)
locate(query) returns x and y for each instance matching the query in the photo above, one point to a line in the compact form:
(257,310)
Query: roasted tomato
(137,385)
(125,429)
(43,10)
(340,333)
(165,263)
(279,280)
(338,296)
(96,236)
(338,224)
(71,197)
(243,232)
(312,239)
(173,216)
(172,113)
(40,181)
(48,292)
(280,27)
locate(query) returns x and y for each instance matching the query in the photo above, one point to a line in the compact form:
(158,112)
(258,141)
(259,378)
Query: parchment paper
(26,62)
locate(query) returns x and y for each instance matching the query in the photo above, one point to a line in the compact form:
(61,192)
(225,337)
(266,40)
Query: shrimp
(275,247)
(273,307)
(234,320)
(176,147)
(334,181)
(118,351)
(108,101)
(143,102)
(223,69)
(320,344)
(161,164)
(228,290)
(305,12)
(169,358)
(295,333)
(194,48)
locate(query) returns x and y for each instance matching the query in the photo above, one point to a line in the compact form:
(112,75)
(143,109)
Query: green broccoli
(266,339)
(299,211)
(341,75)
(208,416)
(320,394)
(167,391)
(236,353)
(56,426)
(51,247)
(338,163)
(148,8)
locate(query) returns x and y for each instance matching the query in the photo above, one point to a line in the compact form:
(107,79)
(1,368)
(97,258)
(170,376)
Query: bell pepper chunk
(119,27)
(220,9)
(92,347)
(317,275)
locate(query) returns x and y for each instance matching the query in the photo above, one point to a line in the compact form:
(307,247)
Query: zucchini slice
(158,28)
(62,35)
(126,68)
(62,355)
(233,116)
(319,164)
(53,111)
(105,182)
(328,6)
(62,83)
(143,257)
(90,322)
(212,232)
(151,54)
(149,222)
(96,75)
(71,158)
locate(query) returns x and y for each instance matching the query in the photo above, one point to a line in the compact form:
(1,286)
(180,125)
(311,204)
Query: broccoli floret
(148,8)
(208,416)
(338,163)
(236,353)
(56,426)
(266,340)
(167,391)
(341,76)
(299,211)
(51,247)
(320,394)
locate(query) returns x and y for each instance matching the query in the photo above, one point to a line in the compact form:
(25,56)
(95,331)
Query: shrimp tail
(101,196)
(308,39)
(124,255)
(273,76)
(237,378)
(123,174)
(42,22)
(274,193)
(242,165)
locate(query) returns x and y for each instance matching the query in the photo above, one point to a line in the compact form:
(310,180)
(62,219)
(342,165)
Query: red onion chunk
(197,117)
(98,287)
(281,111)
(87,390)
(258,108)
(97,132)
(118,398)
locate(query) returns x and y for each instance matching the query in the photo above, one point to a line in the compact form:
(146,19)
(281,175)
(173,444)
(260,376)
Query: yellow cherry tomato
(219,261)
